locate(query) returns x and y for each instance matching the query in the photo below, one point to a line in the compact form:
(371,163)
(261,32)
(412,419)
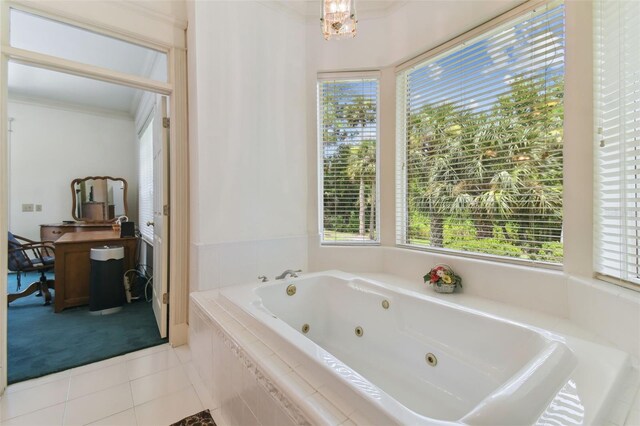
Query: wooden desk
(53,231)
(73,265)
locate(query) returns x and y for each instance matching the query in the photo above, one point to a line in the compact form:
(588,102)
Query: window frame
(336,76)
(531,6)
(600,141)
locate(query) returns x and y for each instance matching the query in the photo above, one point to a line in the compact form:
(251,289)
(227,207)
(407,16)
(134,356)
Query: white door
(160,214)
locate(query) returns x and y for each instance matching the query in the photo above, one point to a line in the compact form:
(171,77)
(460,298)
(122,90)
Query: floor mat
(203,418)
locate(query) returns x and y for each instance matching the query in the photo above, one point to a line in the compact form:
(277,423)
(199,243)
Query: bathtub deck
(276,359)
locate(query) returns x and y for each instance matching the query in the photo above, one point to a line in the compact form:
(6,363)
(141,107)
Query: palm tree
(530,119)
(349,160)
(340,191)
(434,181)
(360,114)
(491,168)
(362,168)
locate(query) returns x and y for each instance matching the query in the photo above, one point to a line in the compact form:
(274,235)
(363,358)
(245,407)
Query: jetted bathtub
(418,359)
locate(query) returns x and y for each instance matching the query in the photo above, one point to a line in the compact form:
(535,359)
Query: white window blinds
(348,140)
(618,142)
(480,130)
(145,179)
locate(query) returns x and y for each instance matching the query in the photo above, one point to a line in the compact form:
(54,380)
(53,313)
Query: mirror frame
(75,206)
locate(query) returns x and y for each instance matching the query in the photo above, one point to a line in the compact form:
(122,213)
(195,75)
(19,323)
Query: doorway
(53,142)
(71,66)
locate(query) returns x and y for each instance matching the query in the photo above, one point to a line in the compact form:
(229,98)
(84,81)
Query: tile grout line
(148,374)
(133,403)
(91,370)
(129,380)
(110,415)
(161,396)
(94,391)
(66,400)
(118,412)
(202,403)
(68,390)
(4,396)
(135,411)
(164,396)
(70,376)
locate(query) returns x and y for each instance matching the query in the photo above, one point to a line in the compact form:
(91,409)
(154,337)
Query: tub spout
(288,272)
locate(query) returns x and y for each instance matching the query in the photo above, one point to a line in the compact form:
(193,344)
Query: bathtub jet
(422,360)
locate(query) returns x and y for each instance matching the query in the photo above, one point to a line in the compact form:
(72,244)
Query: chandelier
(338,19)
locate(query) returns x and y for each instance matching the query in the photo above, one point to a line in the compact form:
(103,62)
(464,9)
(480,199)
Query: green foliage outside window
(349,132)
(489,182)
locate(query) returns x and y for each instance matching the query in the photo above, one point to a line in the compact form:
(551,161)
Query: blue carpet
(42,342)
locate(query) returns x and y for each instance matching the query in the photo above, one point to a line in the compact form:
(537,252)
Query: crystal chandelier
(338,19)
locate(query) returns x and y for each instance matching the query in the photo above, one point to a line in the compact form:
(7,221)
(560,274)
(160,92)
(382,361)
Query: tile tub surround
(255,384)
(244,393)
(238,262)
(271,354)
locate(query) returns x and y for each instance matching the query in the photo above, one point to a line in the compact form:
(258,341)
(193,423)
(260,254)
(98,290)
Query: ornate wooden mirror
(99,198)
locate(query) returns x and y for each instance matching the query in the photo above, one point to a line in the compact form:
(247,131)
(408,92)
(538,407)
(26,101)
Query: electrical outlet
(27,207)
(38,207)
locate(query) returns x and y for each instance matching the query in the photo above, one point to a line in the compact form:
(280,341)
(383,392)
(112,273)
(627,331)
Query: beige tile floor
(155,386)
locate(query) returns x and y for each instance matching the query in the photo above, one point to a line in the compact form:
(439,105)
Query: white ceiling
(31,83)
(311,8)
(60,40)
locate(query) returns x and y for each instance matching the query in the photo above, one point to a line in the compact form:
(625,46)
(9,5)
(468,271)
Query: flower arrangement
(443,279)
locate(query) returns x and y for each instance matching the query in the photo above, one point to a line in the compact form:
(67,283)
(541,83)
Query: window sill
(350,244)
(600,278)
(484,257)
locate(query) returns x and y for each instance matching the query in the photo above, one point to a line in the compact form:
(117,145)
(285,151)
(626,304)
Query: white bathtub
(489,370)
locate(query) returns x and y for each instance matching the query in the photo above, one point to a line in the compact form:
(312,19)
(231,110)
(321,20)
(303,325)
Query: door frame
(174,45)
(160,141)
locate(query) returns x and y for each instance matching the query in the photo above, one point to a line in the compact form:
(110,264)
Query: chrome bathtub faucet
(288,272)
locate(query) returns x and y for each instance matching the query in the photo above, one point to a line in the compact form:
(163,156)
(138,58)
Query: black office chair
(26,255)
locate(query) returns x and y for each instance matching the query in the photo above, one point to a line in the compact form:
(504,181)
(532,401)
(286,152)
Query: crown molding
(381,13)
(286,7)
(154,14)
(93,18)
(366,14)
(68,106)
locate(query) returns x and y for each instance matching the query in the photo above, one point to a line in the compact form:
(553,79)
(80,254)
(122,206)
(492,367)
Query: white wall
(52,145)
(248,151)
(404,32)
(412,29)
